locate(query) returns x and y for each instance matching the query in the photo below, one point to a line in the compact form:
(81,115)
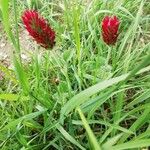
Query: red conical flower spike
(39,29)
(110,26)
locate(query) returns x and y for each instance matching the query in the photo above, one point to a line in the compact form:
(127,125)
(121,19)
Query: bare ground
(27,48)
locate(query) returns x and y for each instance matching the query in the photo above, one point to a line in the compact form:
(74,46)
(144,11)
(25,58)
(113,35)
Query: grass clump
(82,94)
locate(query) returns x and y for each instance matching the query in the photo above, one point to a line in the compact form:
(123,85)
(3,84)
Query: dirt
(27,46)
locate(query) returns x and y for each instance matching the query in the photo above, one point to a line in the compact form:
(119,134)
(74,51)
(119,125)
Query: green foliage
(82,94)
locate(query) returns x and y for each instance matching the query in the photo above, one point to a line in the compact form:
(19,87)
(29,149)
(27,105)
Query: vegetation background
(82,94)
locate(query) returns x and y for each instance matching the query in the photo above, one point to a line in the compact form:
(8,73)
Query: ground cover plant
(86,82)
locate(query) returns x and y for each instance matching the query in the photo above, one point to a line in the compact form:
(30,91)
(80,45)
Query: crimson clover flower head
(39,29)
(110,26)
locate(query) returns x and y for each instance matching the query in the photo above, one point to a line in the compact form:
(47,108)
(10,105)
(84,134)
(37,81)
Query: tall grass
(82,94)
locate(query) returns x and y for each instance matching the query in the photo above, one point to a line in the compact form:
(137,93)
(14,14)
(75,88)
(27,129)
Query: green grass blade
(112,141)
(132,112)
(8,73)
(146,134)
(68,136)
(91,136)
(132,145)
(114,126)
(30,116)
(137,124)
(21,76)
(144,96)
(84,95)
(76,15)
(13,97)
(4,6)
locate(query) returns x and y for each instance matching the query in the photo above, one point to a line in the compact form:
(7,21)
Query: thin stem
(76,16)
(109,54)
(16,26)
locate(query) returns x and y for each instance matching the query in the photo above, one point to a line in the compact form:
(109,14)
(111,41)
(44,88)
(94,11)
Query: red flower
(39,29)
(110,27)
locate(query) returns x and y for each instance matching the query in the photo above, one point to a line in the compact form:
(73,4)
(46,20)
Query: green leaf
(21,75)
(12,124)
(114,126)
(21,139)
(4,6)
(112,141)
(132,145)
(8,73)
(84,95)
(93,141)
(142,119)
(143,135)
(13,97)
(144,96)
(68,136)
